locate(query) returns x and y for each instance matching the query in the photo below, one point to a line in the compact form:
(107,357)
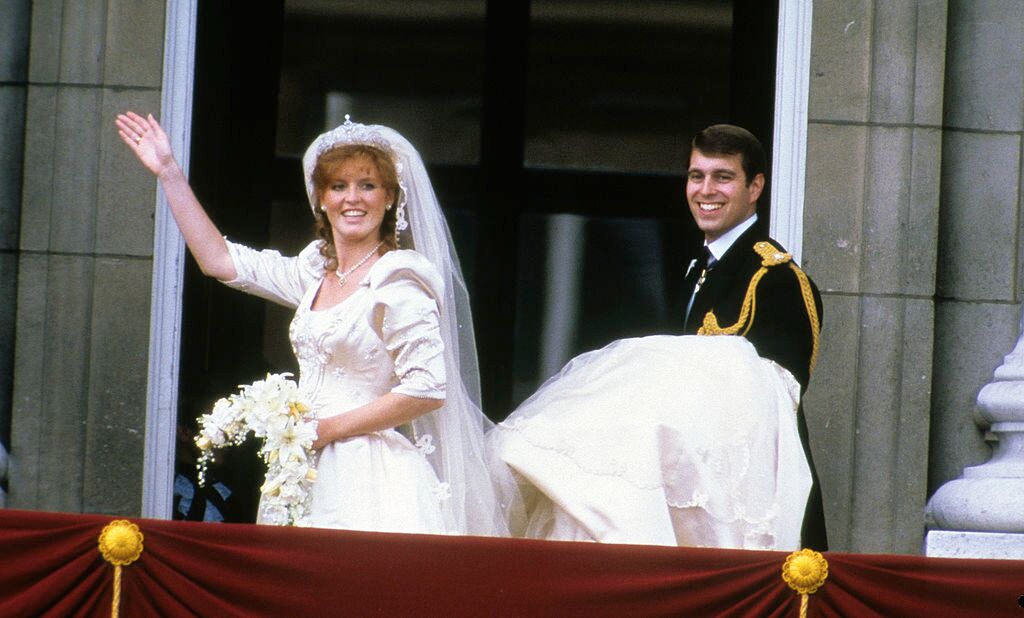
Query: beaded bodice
(342,362)
(383,338)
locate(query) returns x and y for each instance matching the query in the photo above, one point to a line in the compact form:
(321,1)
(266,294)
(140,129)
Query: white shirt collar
(720,245)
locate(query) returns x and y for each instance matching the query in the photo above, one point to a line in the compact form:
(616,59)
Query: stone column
(871,237)
(979,270)
(86,237)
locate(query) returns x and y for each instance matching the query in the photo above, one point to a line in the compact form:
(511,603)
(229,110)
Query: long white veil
(457,427)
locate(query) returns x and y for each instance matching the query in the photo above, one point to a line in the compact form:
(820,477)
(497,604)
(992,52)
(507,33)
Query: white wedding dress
(659,440)
(384,338)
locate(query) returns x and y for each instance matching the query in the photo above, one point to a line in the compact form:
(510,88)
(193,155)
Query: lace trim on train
(600,464)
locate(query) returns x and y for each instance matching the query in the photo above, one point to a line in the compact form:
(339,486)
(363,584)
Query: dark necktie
(695,278)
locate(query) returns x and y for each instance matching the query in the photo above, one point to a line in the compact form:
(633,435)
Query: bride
(662,440)
(382,331)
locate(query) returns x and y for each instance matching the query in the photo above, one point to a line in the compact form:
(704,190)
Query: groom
(744,283)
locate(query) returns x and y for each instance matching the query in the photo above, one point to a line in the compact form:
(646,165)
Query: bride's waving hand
(147,140)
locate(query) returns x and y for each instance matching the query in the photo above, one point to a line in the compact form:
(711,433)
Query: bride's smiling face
(355,200)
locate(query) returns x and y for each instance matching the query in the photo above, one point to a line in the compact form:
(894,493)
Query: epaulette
(770,257)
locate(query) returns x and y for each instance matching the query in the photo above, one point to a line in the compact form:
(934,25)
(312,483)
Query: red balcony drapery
(50,565)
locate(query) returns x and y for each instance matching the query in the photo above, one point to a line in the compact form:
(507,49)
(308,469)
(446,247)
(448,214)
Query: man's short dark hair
(725,140)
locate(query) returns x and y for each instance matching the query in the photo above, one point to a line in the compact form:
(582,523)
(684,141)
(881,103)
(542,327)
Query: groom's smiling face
(719,195)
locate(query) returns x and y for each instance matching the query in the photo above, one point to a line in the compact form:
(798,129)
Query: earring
(323,208)
(388,207)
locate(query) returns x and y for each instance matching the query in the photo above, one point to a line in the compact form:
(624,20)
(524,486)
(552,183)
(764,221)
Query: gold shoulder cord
(770,256)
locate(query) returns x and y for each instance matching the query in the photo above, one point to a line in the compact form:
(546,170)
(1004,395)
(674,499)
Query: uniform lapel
(723,290)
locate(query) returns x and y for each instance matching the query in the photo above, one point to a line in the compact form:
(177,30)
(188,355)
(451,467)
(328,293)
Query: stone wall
(85,259)
(978,309)
(913,219)
(871,239)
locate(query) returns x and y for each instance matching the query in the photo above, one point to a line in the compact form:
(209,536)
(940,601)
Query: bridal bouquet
(270,409)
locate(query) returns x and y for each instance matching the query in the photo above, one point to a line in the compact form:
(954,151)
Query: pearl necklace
(343,277)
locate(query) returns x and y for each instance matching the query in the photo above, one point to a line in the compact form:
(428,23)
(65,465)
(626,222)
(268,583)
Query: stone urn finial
(990,497)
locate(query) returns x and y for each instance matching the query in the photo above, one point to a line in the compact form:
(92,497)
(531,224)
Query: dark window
(555,134)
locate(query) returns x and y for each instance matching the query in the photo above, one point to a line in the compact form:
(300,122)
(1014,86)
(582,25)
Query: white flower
(222,424)
(274,514)
(292,492)
(271,409)
(425,444)
(291,440)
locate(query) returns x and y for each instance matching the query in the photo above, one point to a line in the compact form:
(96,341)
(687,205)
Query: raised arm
(151,146)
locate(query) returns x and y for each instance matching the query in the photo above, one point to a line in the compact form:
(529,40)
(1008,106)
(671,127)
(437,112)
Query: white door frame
(789,155)
(168,268)
(788,158)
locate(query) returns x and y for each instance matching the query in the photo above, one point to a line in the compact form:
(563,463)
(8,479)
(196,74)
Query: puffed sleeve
(406,288)
(275,277)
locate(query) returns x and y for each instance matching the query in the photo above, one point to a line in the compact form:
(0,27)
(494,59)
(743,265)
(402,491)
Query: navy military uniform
(756,291)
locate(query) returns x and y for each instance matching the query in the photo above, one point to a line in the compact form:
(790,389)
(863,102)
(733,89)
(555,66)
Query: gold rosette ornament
(805,571)
(120,545)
